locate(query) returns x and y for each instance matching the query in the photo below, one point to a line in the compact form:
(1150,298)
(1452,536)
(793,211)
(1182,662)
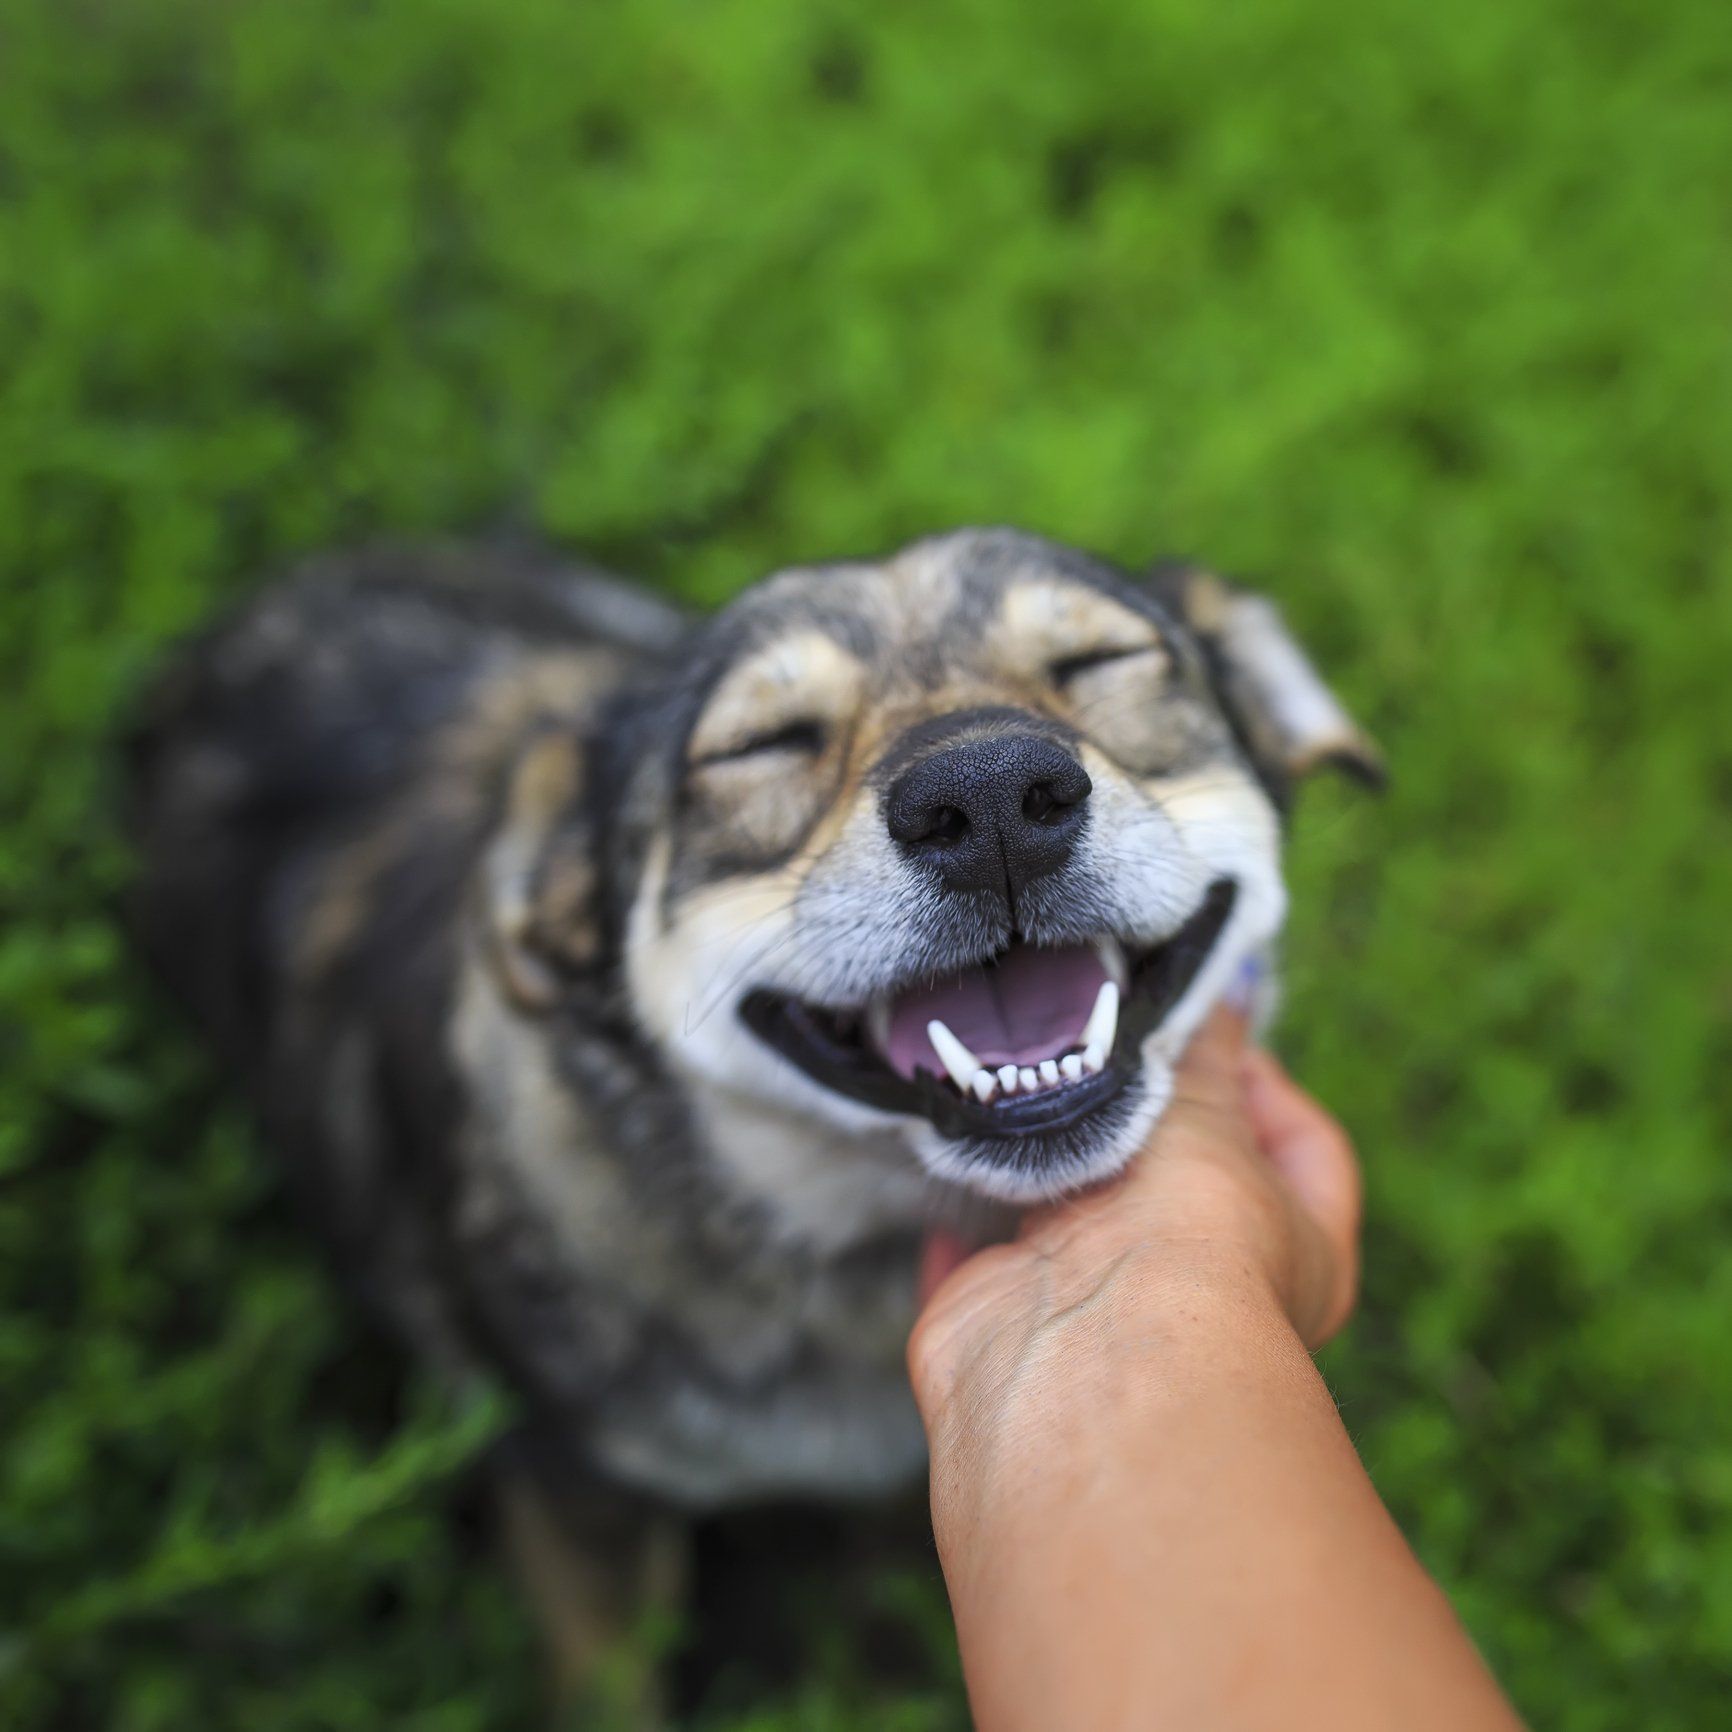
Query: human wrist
(1047,1396)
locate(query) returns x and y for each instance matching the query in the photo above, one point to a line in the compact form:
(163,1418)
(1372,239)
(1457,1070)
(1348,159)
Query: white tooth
(1049,1072)
(1071,1065)
(985,1085)
(1112,955)
(1094,1058)
(1007,1078)
(1029,1079)
(1103,1022)
(878,1023)
(958,1060)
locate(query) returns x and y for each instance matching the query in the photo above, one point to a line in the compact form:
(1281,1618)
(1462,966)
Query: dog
(629,994)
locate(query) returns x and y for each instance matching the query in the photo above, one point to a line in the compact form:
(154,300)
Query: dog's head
(966,843)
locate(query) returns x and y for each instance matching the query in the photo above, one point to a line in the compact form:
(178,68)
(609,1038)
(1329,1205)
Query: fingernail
(1241,991)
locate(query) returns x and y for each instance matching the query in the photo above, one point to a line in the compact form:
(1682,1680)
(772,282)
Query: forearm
(1177,1532)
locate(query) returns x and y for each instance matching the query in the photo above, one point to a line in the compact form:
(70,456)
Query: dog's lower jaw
(830,1185)
(1013,1174)
(1103,1145)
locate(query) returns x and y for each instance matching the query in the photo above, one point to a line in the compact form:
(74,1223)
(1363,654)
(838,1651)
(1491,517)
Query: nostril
(947,825)
(1039,805)
(1052,800)
(927,824)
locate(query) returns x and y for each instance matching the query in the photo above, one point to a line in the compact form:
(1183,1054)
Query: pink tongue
(1029,1005)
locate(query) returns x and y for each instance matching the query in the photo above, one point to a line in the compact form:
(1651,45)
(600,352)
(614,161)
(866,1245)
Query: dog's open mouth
(1031,1040)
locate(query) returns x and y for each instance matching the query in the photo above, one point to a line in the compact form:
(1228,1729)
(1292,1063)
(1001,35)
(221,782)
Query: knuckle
(926,1359)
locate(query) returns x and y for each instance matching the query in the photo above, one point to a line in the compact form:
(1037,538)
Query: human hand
(1147,1509)
(1247,1195)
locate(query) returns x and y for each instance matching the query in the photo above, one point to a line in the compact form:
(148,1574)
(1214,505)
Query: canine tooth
(878,1023)
(1029,1079)
(958,1060)
(1112,955)
(1072,1066)
(1049,1072)
(1094,1058)
(985,1085)
(1103,1022)
(1007,1078)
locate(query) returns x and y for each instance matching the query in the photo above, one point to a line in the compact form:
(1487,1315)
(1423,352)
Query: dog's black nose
(993,814)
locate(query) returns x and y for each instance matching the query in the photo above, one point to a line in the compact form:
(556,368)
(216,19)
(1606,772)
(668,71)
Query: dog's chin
(1036,1167)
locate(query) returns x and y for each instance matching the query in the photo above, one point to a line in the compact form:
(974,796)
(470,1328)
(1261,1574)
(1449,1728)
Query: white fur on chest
(848,1432)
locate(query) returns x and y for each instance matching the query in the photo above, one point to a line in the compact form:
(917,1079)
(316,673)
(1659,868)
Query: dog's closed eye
(1070,667)
(786,704)
(803,737)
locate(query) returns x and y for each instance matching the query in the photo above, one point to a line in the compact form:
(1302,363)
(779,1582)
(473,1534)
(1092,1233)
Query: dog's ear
(1290,722)
(541,922)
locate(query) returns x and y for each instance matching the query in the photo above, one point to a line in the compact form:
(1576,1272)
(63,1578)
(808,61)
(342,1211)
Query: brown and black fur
(458,857)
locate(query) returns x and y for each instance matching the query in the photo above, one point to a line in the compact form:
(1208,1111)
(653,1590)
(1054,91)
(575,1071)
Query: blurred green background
(1420,313)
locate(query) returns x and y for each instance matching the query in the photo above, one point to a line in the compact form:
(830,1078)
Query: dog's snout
(992,814)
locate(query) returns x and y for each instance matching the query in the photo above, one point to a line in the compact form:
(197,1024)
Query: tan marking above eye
(1046,623)
(788,696)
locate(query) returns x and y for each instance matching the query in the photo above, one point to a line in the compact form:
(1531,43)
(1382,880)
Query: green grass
(1419,312)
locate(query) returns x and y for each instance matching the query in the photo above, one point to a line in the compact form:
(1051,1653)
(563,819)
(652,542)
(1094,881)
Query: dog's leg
(604,1576)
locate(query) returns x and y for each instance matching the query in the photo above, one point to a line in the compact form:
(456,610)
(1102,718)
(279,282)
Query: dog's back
(296,729)
(310,783)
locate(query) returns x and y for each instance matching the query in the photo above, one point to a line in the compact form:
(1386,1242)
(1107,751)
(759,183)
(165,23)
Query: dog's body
(584,961)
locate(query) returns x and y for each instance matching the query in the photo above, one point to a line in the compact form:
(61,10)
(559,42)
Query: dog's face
(966,843)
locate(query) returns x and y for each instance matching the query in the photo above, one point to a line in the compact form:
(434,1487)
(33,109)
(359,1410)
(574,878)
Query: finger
(1307,1146)
(1315,1159)
(942,1254)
